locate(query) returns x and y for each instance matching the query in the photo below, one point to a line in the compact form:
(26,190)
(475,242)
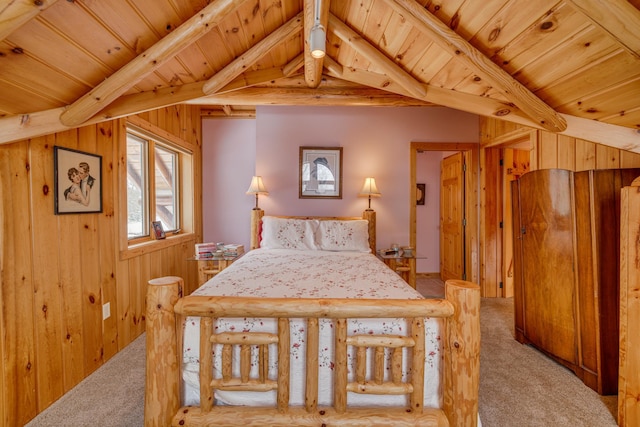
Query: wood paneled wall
(58,270)
(546,150)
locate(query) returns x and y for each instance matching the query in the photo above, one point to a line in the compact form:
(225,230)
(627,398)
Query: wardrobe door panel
(547,240)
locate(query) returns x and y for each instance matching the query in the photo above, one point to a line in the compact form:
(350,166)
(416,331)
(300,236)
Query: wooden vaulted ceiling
(568,66)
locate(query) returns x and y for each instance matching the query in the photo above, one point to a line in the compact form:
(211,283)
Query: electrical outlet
(106,311)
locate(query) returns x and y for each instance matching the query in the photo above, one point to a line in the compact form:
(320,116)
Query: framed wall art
(320,173)
(77,181)
(420,194)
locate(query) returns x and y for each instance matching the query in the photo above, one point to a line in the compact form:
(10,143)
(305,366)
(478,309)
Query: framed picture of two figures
(78,181)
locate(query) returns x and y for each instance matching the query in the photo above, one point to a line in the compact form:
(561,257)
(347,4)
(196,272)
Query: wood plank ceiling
(570,66)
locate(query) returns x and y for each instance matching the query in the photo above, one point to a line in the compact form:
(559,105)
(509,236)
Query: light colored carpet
(518,386)
(113,396)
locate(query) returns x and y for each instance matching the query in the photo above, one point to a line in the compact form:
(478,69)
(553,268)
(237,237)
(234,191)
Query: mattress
(287,273)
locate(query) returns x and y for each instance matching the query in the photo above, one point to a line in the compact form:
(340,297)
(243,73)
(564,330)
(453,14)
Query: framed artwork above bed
(320,173)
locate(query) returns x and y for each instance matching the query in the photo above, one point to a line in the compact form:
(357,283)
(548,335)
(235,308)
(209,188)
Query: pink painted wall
(228,163)
(375,142)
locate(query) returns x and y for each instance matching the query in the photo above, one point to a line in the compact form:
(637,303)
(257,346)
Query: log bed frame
(461,361)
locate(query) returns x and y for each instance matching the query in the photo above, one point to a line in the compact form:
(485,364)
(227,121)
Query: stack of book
(233,250)
(205,250)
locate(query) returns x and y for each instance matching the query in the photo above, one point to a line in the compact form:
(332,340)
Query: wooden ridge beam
(363,47)
(14,14)
(619,18)
(253,54)
(144,64)
(541,113)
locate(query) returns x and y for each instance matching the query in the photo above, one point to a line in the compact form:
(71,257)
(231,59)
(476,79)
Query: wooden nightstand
(404,266)
(207,268)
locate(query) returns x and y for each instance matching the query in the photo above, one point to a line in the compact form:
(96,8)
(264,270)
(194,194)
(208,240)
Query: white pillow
(335,235)
(288,233)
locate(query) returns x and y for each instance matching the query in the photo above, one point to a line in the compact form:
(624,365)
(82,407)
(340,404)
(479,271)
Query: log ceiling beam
(475,104)
(232,114)
(14,14)
(144,64)
(363,47)
(463,51)
(19,127)
(294,65)
(252,55)
(336,96)
(313,66)
(619,18)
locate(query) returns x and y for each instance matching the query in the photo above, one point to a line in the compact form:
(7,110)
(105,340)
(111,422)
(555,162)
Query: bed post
(256,217)
(162,389)
(461,368)
(370,215)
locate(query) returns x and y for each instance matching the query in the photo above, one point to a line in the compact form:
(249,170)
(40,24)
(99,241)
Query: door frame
(493,199)
(471,154)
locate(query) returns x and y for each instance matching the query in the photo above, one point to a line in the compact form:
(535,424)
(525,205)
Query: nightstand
(404,266)
(207,268)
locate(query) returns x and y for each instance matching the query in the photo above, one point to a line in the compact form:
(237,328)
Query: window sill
(155,245)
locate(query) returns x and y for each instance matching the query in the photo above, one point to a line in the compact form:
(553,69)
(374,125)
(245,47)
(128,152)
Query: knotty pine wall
(58,270)
(501,139)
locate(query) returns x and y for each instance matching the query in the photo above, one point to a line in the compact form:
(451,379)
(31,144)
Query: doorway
(502,163)
(470,236)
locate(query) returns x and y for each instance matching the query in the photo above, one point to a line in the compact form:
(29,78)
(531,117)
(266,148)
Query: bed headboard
(369,215)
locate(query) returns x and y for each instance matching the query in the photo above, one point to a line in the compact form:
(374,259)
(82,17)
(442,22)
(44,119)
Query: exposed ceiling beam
(463,51)
(329,95)
(151,100)
(621,137)
(15,13)
(19,127)
(313,66)
(233,114)
(252,55)
(147,62)
(363,47)
(475,104)
(293,65)
(14,128)
(333,67)
(619,18)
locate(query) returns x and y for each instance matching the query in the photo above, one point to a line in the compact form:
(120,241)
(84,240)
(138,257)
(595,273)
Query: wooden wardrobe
(566,265)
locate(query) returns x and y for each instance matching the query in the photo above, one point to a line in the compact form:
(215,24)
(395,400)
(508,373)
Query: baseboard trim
(435,275)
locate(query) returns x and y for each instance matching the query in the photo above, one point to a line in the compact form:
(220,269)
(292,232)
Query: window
(153,183)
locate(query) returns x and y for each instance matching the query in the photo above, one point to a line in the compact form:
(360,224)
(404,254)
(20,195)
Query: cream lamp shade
(257,188)
(370,190)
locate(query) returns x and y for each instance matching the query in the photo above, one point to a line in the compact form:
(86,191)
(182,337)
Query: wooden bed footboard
(461,338)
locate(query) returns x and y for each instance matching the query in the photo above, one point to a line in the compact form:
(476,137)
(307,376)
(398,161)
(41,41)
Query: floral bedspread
(275,273)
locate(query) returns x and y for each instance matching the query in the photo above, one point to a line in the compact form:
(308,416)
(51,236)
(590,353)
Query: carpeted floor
(518,385)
